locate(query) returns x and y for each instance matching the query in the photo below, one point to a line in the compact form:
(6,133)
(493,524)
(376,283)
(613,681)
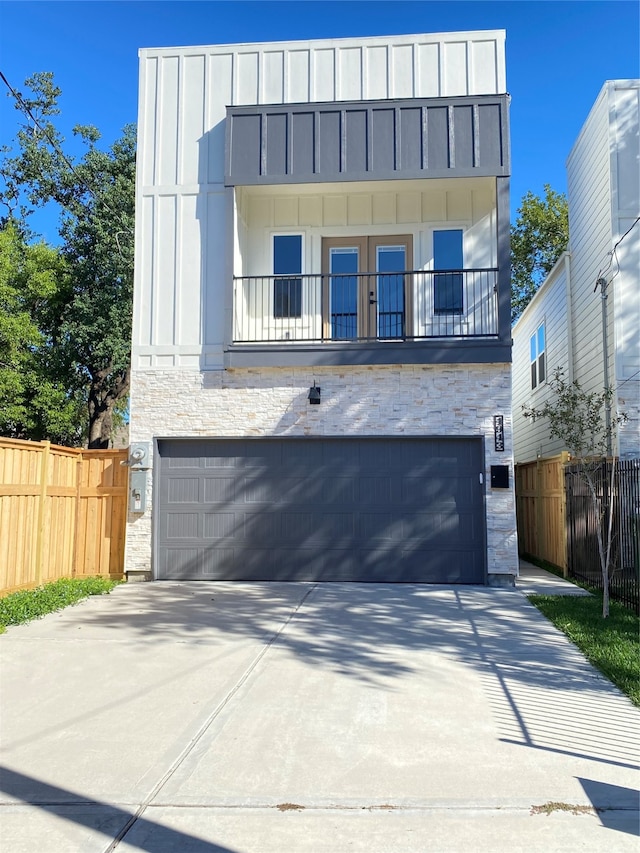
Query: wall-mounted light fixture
(314,394)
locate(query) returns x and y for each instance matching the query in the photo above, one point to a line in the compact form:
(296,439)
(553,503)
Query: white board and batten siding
(183,266)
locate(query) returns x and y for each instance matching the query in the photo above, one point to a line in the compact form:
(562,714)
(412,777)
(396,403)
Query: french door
(366,287)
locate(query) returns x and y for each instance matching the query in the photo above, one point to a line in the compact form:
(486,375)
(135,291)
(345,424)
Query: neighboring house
(321,344)
(562,327)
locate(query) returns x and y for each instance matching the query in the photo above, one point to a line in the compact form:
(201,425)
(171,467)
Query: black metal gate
(583,518)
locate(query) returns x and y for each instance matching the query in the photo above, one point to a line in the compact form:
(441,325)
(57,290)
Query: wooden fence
(62,513)
(541,510)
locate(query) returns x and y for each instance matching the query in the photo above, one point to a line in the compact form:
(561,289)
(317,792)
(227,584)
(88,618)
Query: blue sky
(558,56)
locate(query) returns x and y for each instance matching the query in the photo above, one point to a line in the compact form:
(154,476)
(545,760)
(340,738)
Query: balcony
(332,309)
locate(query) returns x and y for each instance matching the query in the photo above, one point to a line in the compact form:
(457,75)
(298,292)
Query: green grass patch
(612,645)
(27,604)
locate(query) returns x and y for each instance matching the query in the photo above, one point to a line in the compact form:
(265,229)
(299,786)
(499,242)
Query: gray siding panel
(277,144)
(489,134)
(246,143)
(463,134)
(434,351)
(322,509)
(383,155)
(302,144)
(329,125)
(355,141)
(411,139)
(380,140)
(438,158)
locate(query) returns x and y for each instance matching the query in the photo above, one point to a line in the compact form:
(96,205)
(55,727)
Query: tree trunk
(604,565)
(103,395)
(100,427)
(605,599)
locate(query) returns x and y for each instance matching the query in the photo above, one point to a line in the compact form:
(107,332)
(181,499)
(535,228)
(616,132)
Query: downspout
(602,282)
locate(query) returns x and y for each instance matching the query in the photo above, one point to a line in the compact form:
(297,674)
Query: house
(321,376)
(568,324)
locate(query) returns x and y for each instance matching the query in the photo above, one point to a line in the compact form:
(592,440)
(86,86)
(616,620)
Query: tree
(580,421)
(95,194)
(34,403)
(538,238)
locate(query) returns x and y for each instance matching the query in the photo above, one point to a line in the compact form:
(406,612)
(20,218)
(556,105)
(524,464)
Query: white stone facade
(430,400)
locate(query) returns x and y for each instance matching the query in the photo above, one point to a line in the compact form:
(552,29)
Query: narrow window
(537,347)
(287,262)
(448,285)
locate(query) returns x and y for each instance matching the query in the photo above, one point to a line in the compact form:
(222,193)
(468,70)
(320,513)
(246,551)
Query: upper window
(448,286)
(287,262)
(537,348)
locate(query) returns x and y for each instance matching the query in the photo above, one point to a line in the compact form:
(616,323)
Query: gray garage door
(329,509)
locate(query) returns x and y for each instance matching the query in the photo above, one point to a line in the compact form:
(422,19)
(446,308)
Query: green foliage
(577,418)
(539,237)
(95,194)
(22,606)
(34,402)
(613,646)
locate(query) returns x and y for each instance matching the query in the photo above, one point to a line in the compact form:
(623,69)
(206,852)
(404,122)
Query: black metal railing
(390,306)
(583,519)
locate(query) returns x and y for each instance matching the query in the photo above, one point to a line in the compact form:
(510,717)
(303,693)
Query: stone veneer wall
(391,400)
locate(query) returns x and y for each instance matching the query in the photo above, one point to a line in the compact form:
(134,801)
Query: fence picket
(46,527)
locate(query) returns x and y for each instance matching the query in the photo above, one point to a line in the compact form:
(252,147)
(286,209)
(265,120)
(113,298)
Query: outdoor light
(314,394)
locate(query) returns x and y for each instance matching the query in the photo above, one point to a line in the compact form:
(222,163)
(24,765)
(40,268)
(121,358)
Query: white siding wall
(604,201)
(181,264)
(589,194)
(393,207)
(624,109)
(603,172)
(531,438)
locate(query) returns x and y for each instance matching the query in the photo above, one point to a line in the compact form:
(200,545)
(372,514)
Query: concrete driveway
(297,717)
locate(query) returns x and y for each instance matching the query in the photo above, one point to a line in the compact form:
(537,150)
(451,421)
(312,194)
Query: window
(448,286)
(287,261)
(537,348)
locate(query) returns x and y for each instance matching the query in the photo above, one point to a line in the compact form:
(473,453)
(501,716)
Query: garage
(365,509)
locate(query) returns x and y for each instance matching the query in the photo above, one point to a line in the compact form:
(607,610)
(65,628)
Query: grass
(612,645)
(28,604)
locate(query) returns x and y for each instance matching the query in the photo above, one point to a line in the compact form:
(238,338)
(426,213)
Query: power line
(613,255)
(633,375)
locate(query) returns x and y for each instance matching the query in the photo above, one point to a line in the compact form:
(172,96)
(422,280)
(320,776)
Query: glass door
(390,263)
(366,288)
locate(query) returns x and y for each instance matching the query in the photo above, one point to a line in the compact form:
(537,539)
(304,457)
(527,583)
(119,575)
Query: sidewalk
(535,581)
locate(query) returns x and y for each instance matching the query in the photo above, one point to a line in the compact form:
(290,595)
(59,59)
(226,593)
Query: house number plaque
(498,432)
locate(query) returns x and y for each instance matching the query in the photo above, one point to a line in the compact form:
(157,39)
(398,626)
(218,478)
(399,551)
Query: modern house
(585,318)
(321,377)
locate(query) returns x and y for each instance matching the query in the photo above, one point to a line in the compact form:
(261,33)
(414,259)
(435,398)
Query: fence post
(76,515)
(44,475)
(539,510)
(564,458)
